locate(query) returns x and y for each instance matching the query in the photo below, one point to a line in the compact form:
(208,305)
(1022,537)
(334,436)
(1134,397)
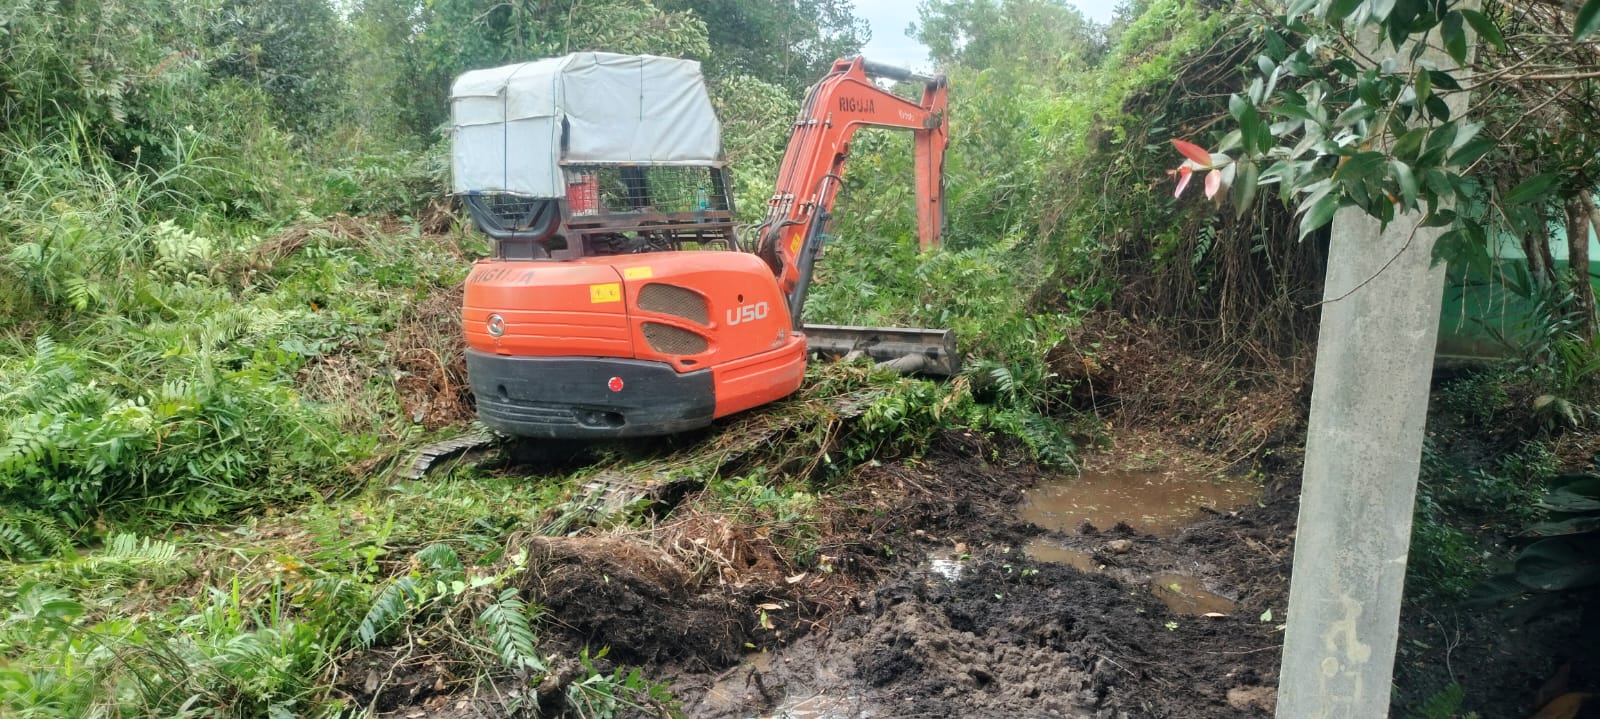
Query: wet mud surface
(938,594)
(968,623)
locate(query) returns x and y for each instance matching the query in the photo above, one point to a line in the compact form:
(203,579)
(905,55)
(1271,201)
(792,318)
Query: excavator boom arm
(813,165)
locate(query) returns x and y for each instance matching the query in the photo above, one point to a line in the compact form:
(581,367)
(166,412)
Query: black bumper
(571,397)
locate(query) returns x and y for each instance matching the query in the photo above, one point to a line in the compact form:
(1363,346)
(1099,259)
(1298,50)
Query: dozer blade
(904,349)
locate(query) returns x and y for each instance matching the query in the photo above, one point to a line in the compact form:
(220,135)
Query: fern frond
(29,535)
(131,549)
(511,633)
(393,604)
(440,559)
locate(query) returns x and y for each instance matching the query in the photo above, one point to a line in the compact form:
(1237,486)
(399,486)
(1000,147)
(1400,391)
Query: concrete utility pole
(1369,402)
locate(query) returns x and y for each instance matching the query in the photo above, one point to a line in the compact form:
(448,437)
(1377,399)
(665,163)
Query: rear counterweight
(588,397)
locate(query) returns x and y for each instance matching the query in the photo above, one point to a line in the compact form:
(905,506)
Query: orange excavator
(619,300)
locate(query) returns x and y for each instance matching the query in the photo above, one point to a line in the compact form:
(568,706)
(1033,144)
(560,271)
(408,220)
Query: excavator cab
(618,300)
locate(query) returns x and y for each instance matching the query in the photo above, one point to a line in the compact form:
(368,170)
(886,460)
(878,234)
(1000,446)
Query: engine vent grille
(676,301)
(667,339)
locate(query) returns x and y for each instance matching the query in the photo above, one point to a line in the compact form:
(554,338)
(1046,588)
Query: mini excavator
(619,300)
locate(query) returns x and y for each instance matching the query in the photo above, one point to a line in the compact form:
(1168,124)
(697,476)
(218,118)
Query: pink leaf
(1213,183)
(1195,153)
(1184,173)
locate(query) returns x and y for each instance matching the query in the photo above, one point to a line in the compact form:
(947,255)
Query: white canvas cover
(638,109)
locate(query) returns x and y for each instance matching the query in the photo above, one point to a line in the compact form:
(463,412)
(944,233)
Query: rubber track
(429,455)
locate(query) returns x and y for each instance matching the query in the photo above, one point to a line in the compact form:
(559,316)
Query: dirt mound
(636,599)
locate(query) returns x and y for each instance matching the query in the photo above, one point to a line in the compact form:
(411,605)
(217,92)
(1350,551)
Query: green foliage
(1333,123)
(756,119)
(1050,37)
(1567,557)
(1447,561)
(622,692)
(437,41)
(28,534)
(291,49)
(223,657)
(507,621)
(789,44)
(1446,704)
(1553,352)
(78,439)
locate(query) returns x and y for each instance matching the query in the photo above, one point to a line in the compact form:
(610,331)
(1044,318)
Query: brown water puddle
(735,683)
(1156,502)
(1044,550)
(1184,595)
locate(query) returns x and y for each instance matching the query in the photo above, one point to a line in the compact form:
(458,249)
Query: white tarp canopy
(638,109)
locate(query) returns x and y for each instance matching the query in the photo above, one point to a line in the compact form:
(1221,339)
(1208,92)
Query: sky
(889,19)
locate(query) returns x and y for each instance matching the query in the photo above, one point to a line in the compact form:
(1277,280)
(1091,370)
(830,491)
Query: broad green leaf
(1341,9)
(1444,80)
(1381,9)
(1399,32)
(1471,151)
(1237,106)
(1357,112)
(1582,495)
(1245,183)
(1318,214)
(1256,91)
(1359,166)
(1406,179)
(1588,20)
(1485,27)
(1464,133)
(1571,525)
(1437,108)
(1439,218)
(1289,109)
(1439,142)
(1250,128)
(1567,562)
(1530,189)
(1276,47)
(1410,144)
(1454,36)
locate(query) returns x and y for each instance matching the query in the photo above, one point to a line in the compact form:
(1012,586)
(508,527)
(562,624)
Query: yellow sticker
(609,292)
(637,273)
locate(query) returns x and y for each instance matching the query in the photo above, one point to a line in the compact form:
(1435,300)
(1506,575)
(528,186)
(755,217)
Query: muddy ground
(998,634)
(924,601)
(875,631)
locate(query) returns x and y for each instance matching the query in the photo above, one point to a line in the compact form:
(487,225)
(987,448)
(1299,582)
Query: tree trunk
(1578,265)
(1546,260)
(1536,248)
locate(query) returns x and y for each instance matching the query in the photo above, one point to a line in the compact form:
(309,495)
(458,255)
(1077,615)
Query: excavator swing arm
(843,102)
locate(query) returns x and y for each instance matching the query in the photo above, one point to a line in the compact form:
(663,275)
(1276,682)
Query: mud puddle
(986,617)
(1044,549)
(1188,595)
(1151,501)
